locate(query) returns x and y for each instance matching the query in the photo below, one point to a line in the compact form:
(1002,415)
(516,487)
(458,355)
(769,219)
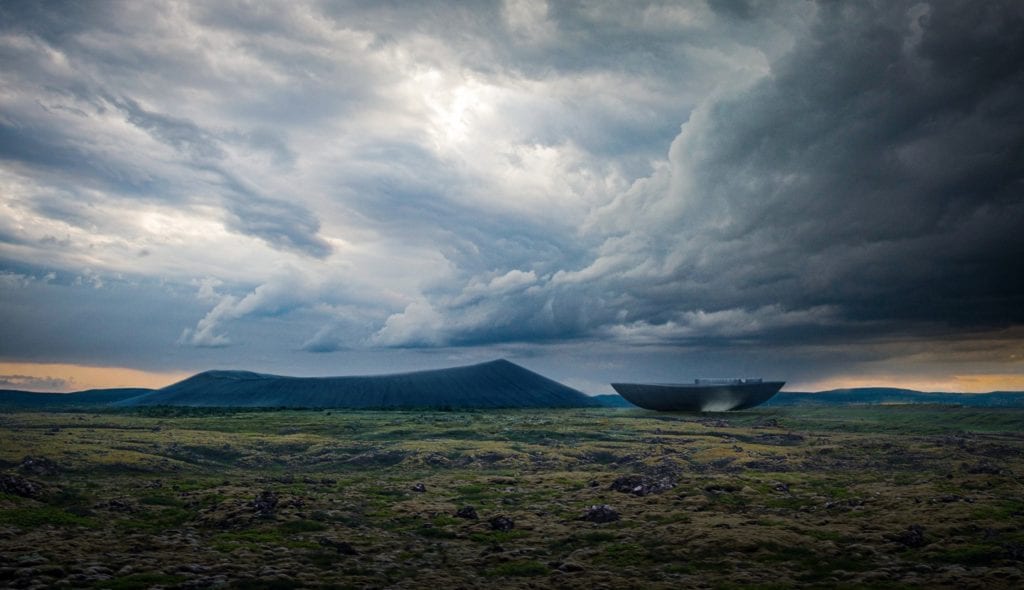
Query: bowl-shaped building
(703,395)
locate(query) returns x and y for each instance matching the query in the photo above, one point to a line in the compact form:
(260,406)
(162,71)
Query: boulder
(467,512)
(38,466)
(912,537)
(642,485)
(502,523)
(265,503)
(341,547)
(19,486)
(600,513)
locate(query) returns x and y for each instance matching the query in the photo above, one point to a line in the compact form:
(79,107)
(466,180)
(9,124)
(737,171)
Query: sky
(830,194)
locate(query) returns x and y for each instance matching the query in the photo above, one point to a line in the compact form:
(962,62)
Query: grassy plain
(880,497)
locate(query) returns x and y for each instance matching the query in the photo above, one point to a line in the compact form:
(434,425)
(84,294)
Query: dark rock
(265,503)
(770,465)
(570,567)
(722,488)
(502,523)
(419,487)
(437,460)
(79,511)
(192,568)
(99,570)
(1014,551)
(490,457)
(631,484)
(378,458)
(467,512)
(38,466)
(19,486)
(912,537)
(844,504)
(785,439)
(342,547)
(116,505)
(642,485)
(725,463)
(781,487)
(983,469)
(600,513)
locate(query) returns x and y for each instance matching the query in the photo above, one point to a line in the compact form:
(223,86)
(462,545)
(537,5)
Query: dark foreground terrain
(886,497)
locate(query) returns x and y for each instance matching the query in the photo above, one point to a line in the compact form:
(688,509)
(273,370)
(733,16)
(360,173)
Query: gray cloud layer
(361,175)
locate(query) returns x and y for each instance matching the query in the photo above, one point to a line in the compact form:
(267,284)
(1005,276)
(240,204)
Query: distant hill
(495,384)
(10,398)
(890,395)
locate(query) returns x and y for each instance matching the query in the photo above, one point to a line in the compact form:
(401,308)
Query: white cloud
(418,325)
(528,19)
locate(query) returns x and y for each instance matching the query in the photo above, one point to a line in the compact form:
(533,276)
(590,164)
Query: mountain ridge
(397,386)
(494,384)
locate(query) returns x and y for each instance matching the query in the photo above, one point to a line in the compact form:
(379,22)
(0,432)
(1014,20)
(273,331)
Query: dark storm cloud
(876,173)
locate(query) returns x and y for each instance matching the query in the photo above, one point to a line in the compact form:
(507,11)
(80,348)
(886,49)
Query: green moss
(276,584)
(228,542)
(433,532)
(27,517)
(496,537)
(160,500)
(519,569)
(669,518)
(821,534)
(472,492)
(622,554)
(157,520)
(595,537)
(774,553)
(970,555)
(889,457)
(769,586)
(68,497)
(301,526)
(998,511)
(140,581)
(324,559)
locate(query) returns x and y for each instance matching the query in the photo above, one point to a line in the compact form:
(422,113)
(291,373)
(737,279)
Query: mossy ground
(818,497)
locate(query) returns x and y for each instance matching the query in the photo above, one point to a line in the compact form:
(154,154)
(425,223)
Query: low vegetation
(916,496)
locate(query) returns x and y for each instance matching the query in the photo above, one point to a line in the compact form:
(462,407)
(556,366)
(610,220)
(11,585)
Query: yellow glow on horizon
(81,377)
(980,383)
